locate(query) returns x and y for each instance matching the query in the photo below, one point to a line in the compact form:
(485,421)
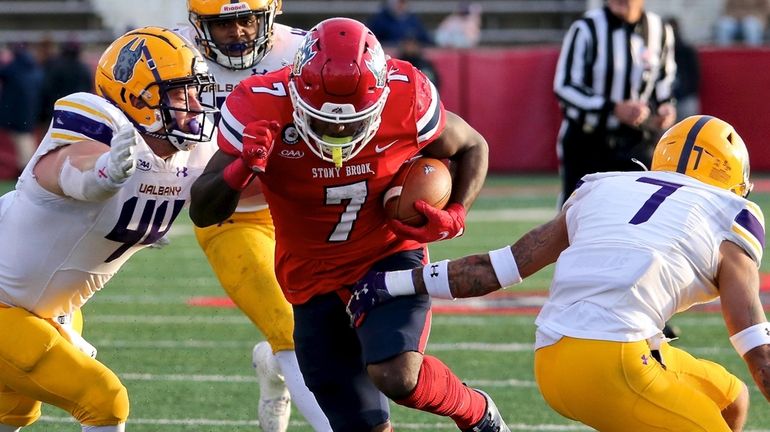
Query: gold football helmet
(708,149)
(234,54)
(139,70)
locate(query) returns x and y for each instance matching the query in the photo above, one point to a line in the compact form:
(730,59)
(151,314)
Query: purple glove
(366,294)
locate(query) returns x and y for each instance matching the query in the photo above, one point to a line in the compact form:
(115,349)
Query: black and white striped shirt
(604,60)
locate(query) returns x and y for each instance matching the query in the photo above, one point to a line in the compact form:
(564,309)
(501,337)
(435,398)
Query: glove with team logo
(366,294)
(121,162)
(442,224)
(258,138)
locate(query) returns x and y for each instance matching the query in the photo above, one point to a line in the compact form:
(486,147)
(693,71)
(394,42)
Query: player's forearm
(758,361)
(541,246)
(212,200)
(470,276)
(472,165)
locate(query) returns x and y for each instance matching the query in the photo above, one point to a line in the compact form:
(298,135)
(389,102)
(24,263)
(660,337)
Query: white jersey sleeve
(59,251)
(748,231)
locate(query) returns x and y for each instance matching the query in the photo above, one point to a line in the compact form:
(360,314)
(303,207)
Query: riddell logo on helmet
(234,7)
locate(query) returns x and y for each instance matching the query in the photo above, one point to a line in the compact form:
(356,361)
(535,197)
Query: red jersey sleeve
(235,115)
(430,115)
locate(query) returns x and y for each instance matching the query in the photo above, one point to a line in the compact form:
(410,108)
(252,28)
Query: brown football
(424,179)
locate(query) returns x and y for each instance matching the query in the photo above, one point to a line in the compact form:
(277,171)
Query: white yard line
(242,423)
(411,426)
(432,347)
(530,214)
(449,320)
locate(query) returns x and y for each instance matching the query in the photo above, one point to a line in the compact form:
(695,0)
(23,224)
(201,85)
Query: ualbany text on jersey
(160,190)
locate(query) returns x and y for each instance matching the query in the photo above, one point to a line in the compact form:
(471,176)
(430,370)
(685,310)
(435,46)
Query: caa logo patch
(143,165)
(290,135)
(291,154)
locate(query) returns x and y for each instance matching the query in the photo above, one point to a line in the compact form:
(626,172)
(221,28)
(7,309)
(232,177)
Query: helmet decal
(690,143)
(304,54)
(237,7)
(124,67)
(378,65)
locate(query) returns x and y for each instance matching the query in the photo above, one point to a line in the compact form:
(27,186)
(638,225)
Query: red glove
(442,224)
(258,137)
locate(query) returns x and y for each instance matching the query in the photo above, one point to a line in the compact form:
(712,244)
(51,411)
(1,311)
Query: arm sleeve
(664,85)
(234,118)
(576,58)
(748,231)
(430,115)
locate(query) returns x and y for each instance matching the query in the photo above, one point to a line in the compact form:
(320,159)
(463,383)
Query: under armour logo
(102,173)
(644,359)
(181,172)
(433,270)
(767,331)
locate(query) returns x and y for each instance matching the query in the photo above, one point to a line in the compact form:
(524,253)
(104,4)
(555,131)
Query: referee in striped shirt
(614,82)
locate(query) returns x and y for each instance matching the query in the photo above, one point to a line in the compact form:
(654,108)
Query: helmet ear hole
(730,137)
(137,102)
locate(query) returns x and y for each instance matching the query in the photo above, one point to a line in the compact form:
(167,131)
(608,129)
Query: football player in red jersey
(326,136)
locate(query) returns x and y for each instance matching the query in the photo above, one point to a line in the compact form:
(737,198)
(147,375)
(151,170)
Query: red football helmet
(338,86)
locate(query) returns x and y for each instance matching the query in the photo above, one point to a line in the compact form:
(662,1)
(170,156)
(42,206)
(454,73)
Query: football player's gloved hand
(366,294)
(258,137)
(442,224)
(122,161)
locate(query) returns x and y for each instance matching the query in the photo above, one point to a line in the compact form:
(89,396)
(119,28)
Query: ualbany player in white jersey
(631,250)
(240,39)
(108,179)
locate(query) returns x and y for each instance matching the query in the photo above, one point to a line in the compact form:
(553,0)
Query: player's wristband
(238,175)
(436,278)
(504,264)
(751,337)
(399,283)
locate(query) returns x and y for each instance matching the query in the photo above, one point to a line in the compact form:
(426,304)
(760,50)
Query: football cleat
(274,401)
(492,420)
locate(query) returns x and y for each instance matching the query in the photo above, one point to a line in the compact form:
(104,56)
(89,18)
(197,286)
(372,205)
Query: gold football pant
(614,386)
(37,364)
(241,251)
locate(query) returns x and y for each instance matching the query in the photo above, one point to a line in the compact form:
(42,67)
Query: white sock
(116,428)
(8,428)
(301,396)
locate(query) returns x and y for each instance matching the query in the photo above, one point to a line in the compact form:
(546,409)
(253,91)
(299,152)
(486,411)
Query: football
(424,179)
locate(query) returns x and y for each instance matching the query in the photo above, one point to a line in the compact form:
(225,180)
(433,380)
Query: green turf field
(188,368)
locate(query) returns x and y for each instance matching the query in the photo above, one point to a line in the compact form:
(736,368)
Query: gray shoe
(492,420)
(274,407)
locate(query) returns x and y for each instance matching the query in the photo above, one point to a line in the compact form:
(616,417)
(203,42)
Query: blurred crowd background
(492,60)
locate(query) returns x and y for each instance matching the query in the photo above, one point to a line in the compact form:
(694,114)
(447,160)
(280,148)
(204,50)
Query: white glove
(122,162)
